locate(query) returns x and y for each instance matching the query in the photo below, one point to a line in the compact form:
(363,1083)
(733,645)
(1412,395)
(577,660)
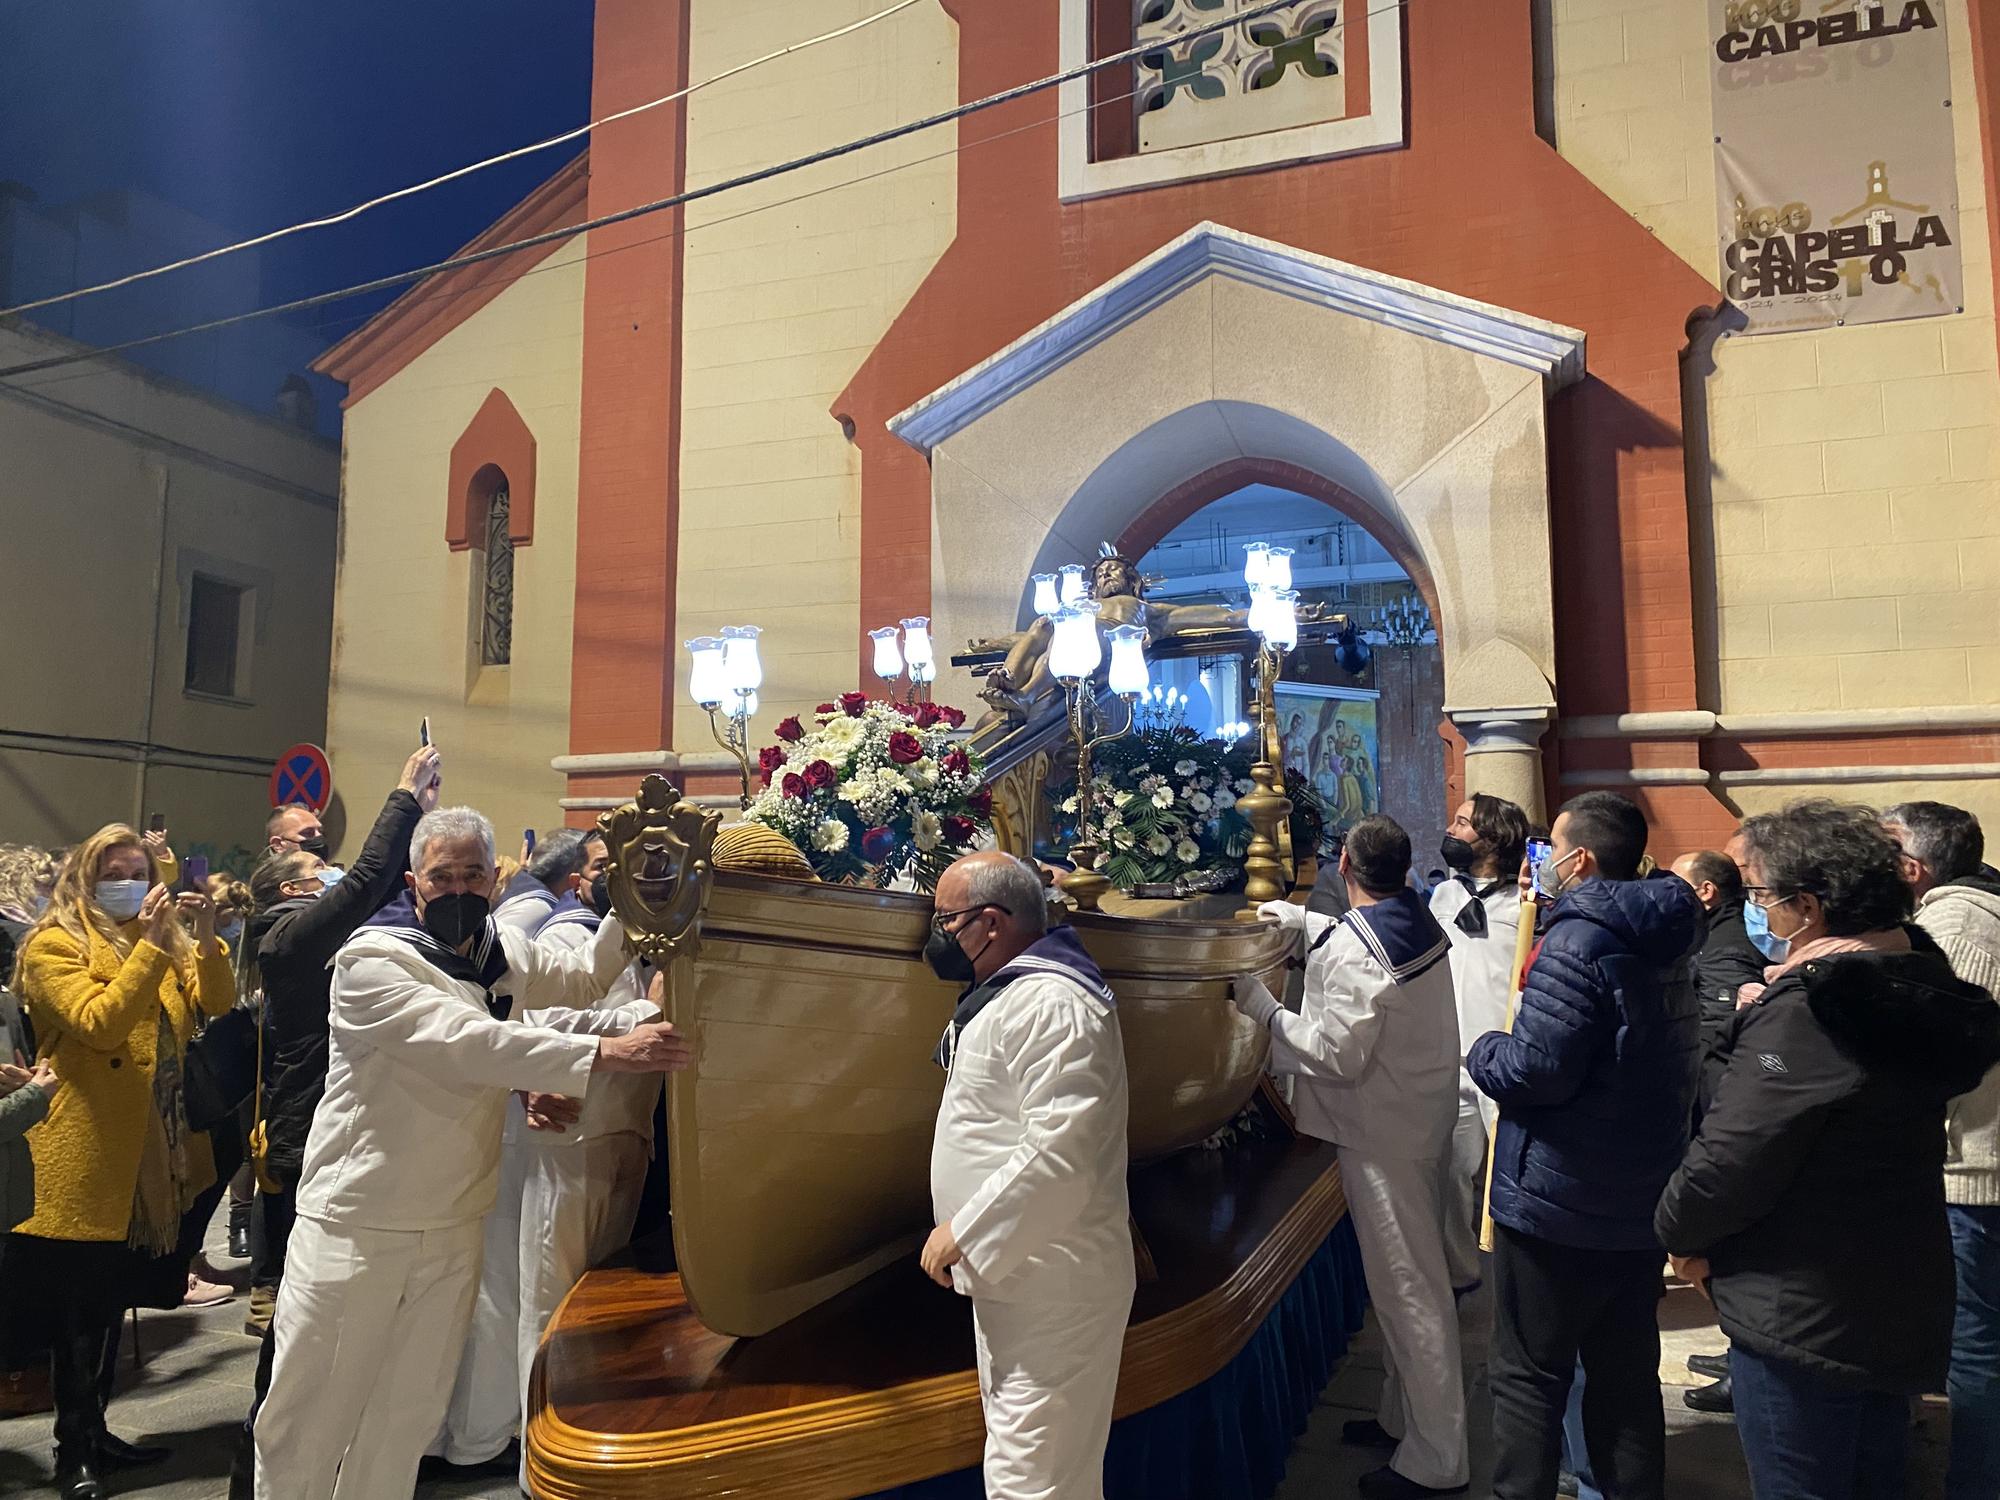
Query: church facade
(1448,269)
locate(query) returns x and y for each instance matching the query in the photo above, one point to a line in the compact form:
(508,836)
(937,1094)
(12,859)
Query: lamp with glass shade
(724,673)
(1048,604)
(1074,589)
(888,656)
(1076,652)
(1274,616)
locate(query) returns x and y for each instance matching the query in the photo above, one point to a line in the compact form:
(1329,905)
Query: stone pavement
(194,1385)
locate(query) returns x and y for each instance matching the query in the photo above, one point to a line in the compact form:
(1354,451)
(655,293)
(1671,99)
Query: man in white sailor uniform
(485,1413)
(428,1039)
(1028,1177)
(578,1197)
(1479,908)
(1375,1050)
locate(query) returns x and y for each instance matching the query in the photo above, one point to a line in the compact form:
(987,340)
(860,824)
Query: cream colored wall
(1850,486)
(782,304)
(403,634)
(117,485)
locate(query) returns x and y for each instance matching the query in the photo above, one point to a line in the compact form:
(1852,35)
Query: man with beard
(437,1014)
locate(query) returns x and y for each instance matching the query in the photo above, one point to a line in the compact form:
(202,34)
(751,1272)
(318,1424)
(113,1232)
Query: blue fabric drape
(1227,1438)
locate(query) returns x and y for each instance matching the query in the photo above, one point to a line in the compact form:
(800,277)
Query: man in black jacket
(305,910)
(1596,1088)
(1728,960)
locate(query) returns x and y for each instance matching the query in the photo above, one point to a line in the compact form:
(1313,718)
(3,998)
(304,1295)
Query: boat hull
(799,1142)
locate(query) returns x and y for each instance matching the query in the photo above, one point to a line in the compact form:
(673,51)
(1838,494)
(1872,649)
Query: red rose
(955,717)
(905,749)
(824,708)
(927,715)
(768,760)
(959,830)
(980,804)
(820,775)
(876,844)
(958,763)
(794,785)
(792,731)
(851,704)
(907,710)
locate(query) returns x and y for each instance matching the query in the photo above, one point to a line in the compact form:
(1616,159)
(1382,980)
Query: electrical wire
(677,200)
(452,176)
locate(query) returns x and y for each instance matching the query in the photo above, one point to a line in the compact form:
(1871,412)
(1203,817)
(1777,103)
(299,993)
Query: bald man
(1028,1177)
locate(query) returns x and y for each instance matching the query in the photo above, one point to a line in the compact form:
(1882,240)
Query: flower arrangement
(1162,807)
(874,790)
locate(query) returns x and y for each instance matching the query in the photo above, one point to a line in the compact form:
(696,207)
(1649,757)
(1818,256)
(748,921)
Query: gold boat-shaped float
(799,1142)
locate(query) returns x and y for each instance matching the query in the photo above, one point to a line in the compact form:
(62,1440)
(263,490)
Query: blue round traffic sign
(302,778)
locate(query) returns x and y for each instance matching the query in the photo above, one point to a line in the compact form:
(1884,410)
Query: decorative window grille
(497,638)
(1285,68)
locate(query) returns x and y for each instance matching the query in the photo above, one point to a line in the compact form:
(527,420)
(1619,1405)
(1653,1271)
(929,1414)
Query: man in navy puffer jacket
(1595,1085)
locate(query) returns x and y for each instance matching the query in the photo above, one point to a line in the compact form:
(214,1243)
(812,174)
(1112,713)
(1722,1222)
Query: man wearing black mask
(1728,960)
(1028,1176)
(1479,908)
(437,1014)
(295,828)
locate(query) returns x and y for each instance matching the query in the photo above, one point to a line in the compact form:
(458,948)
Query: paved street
(194,1384)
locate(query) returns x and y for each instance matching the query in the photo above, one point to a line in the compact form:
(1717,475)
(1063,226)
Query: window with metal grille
(215,617)
(497,644)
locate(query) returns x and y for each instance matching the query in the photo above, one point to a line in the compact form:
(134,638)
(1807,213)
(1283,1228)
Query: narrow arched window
(497,634)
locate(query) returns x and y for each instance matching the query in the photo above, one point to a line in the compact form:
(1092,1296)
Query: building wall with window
(487,409)
(166,592)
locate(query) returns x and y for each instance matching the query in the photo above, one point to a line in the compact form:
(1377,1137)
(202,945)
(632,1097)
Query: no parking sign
(302,778)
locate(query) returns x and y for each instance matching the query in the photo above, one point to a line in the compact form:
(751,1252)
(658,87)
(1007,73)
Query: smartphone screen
(195,873)
(1537,850)
(157,823)
(424,732)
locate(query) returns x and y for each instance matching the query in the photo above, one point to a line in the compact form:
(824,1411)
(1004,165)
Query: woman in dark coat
(1810,1207)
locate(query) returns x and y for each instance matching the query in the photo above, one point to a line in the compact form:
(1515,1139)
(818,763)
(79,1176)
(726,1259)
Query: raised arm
(57,984)
(1071,1067)
(1339,1019)
(313,933)
(1558,1026)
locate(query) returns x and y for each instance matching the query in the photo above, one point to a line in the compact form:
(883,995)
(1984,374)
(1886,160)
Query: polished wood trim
(387,342)
(866,1441)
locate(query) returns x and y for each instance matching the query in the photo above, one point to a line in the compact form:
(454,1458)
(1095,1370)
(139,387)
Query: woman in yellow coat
(116,976)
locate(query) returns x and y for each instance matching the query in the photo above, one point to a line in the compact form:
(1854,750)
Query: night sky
(257,113)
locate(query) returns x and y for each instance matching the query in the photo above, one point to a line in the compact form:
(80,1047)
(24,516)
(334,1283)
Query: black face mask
(315,845)
(454,918)
(947,959)
(1458,854)
(597,895)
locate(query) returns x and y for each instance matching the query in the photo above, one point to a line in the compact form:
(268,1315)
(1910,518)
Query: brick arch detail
(496,445)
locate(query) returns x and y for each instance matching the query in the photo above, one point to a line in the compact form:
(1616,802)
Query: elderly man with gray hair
(1028,1177)
(437,1015)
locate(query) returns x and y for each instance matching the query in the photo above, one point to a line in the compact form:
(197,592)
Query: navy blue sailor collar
(1059,952)
(1400,934)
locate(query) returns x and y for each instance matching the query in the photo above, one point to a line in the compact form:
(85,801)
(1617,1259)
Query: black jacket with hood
(295,942)
(1815,1187)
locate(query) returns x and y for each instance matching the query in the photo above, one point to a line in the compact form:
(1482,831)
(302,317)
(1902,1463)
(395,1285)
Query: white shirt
(1482,968)
(418,1075)
(1377,1062)
(621,1103)
(1028,1163)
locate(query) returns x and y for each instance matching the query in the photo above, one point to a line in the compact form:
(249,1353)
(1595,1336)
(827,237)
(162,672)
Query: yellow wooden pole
(1524,943)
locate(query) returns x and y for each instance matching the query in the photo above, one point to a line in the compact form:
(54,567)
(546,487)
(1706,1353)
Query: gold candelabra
(735,739)
(1267,862)
(1085,883)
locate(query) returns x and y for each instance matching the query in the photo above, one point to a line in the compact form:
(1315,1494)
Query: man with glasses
(1028,1177)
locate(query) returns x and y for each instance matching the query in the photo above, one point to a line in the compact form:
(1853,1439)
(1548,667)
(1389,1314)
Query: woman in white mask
(115,976)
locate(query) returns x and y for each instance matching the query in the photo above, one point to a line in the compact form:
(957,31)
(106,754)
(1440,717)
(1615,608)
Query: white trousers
(562,1210)
(1397,1208)
(1464,1169)
(368,1329)
(484,1411)
(1048,1373)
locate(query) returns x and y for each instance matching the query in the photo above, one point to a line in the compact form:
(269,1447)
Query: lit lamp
(1048,604)
(1256,564)
(888,658)
(917,651)
(1073,589)
(1274,615)
(1075,653)
(724,674)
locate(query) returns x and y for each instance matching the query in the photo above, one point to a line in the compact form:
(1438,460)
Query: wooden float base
(632,1396)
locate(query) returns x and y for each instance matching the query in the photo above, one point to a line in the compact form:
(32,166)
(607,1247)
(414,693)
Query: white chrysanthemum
(1245,786)
(926,829)
(854,791)
(831,836)
(889,779)
(1158,843)
(1113,819)
(1152,783)
(1185,768)
(1224,799)
(1201,802)
(1120,799)
(843,733)
(1187,851)
(1164,797)
(1122,837)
